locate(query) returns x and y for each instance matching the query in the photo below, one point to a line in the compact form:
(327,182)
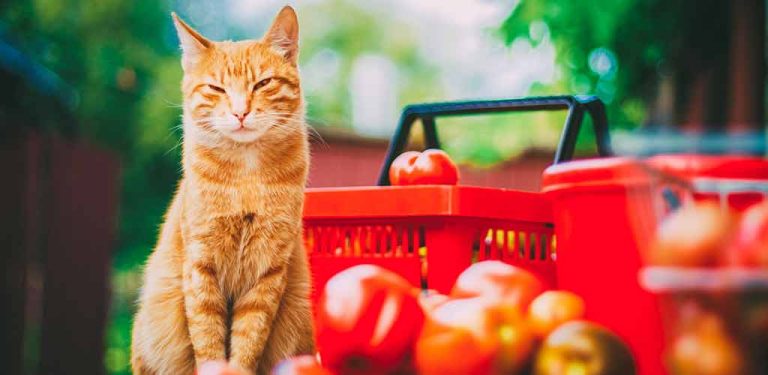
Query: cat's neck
(223,181)
(257,163)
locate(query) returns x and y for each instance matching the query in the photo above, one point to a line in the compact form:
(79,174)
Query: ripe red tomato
(301,365)
(704,345)
(497,280)
(431,167)
(453,350)
(368,319)
(473,336)
(553,308)
(693,236)
(750,244)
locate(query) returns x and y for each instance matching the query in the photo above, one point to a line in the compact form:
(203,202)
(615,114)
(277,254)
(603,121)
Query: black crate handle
(576,106)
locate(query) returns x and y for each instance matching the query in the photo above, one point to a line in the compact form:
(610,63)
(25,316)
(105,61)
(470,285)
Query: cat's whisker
(312,133)
(177,145)
(172,104)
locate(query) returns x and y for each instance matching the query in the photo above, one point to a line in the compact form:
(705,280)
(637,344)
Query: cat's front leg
(206,307)
(252,317)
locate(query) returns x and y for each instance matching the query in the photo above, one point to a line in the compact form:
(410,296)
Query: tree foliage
(621,49)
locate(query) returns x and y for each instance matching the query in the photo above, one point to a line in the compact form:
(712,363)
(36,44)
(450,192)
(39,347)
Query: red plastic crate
(710,174)
(427,234)
(605,211)
(595,203)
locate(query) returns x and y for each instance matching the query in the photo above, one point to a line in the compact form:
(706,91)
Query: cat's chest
(247,228)
(237,198)
(253,245)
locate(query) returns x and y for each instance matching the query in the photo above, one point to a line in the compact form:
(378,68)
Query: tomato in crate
(717,309)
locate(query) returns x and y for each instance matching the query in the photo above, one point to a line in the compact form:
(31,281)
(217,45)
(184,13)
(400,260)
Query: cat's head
(242,91)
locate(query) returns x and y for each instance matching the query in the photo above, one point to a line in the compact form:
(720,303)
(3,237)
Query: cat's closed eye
(262,83)
(216,88)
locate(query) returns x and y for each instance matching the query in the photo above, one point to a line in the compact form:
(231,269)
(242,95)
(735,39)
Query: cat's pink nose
(240,116)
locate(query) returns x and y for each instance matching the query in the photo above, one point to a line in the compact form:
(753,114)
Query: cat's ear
(283,35)
(193,45)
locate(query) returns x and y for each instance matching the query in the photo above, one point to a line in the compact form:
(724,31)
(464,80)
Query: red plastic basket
(430,234)
(427,234)
(604,211)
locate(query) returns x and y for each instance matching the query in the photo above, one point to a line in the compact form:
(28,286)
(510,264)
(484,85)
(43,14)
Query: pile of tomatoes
(704,234)
(497,319)
(716,298)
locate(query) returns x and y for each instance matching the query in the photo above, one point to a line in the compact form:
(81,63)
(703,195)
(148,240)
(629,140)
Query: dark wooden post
(58,203)
(78,251)
(20,160)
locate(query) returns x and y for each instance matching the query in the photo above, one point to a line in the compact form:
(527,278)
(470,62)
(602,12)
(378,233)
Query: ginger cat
(228,279)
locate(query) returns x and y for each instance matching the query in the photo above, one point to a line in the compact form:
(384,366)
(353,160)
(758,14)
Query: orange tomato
(497,280)
(452,350)
(693,236)
(516,343)
(553,308)
(473,336)
(704,347)
(431,167)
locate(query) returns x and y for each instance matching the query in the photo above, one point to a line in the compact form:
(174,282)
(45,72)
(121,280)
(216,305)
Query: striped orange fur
(228,279)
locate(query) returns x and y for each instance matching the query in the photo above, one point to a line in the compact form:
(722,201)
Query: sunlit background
(108,72)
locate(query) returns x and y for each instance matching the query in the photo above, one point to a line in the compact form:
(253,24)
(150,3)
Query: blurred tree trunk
(701,67)
(720,77)
(747,79)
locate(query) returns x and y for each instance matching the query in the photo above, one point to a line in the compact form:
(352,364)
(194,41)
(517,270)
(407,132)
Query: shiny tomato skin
(402,167)
(368,319)
(498,280)
(458,329)
(431,167)
(693,236)
(704,345)
(473,336)
(453,350)
(582,347)
(553,308)
(300,365)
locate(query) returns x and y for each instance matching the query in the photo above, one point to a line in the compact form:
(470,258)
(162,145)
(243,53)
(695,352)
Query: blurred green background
(108,71)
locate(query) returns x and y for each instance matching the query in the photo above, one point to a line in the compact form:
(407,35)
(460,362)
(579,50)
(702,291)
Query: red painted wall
(347,161)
